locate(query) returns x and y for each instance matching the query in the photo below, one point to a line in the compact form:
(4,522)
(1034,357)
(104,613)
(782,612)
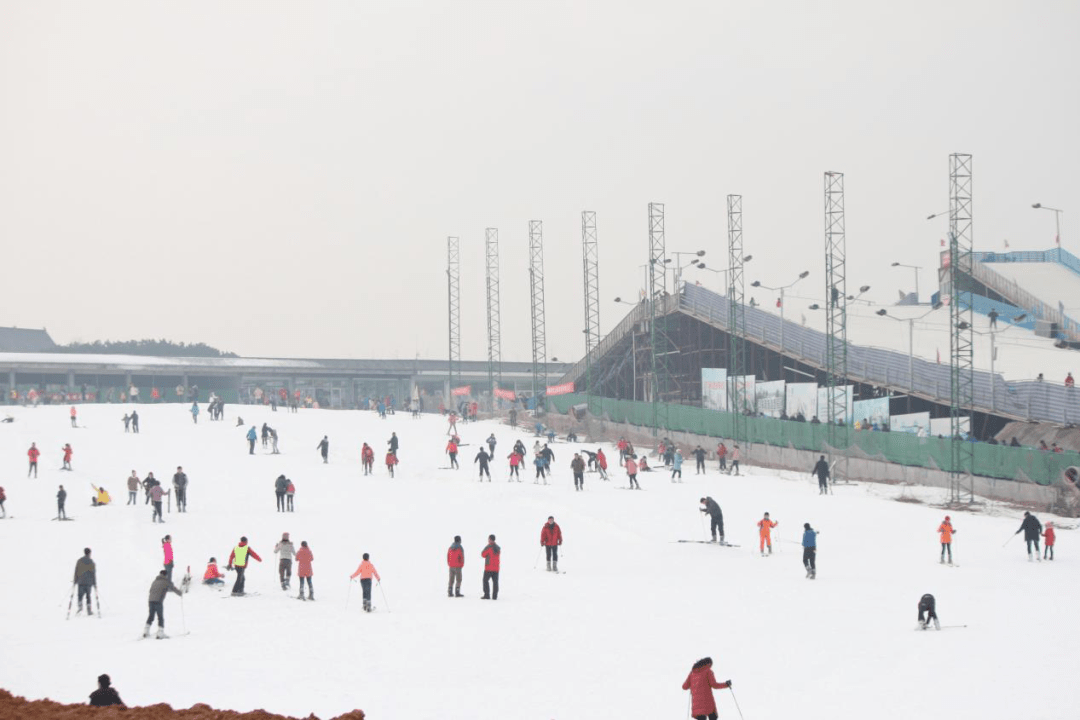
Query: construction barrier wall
(995,461)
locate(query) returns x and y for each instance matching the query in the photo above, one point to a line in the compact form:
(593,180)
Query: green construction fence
(996,461)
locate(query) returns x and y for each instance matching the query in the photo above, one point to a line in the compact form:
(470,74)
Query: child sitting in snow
(212,576)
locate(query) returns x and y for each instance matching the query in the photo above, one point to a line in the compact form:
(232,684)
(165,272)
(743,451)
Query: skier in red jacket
(491,554)
(391,461)
(551,539)
(601,463)
(33,454)
(367,457)
(700,682)
(455,560)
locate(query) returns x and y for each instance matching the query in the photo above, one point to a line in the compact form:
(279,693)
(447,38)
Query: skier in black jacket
(324,448)
(105,695)
(926,606)
(1032,530)
(483,458)
(821,469)
(699,455)
(717,524)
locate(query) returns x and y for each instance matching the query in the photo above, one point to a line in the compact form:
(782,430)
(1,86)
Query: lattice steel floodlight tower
(491,254)
(539,338)
(736,318)
(657,291)
(590,265)
(453,292)
(835,312)
(961,319)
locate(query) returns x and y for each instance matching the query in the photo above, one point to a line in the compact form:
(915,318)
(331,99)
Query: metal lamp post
(782,288)
(1057,220)
(916,268)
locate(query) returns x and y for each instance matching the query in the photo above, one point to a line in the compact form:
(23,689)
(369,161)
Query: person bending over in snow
(161,585)
(700,682)
(716,527)
(927,608)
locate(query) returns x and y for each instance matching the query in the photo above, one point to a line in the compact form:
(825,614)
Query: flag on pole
(942,242)
(939,356)
(1006,244)
(778,302)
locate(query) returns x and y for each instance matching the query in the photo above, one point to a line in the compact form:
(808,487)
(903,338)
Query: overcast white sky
(279,178)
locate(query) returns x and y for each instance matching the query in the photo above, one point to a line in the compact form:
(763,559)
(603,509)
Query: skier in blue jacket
(252,436)
(809,550)
(676,466)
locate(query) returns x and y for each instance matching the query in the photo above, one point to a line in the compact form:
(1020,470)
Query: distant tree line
(164,348)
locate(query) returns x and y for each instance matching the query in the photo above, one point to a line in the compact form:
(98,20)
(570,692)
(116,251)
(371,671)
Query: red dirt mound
(18,708)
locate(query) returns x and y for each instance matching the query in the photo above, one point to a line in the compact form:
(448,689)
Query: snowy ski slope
(613,637)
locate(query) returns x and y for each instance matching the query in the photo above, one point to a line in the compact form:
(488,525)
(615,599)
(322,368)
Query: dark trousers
(453,460)
(1049,552)
(33,469)
(723,463)
(633,481)
(716,527)
(946,547)
(1035,542)
(132,497)
(325,457)
(157,511)
(710,716)
(484,471)
(181,500)
(60,510)
(284,569)
(734,467)
(552,552)
(809,555)
(251,446)
(823,483)
(168,570)
(311,590)
(455,581)
(365,587)
(514,471)
(238,586)
(491,576)
(280,500)
(579,480)
(156,608)
(288,501)
(84,590)
(675,472)
(930,614)
(701,465)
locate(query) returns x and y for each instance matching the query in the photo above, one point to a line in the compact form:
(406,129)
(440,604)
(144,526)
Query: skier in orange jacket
(366,571)
(945,529)
(765,526)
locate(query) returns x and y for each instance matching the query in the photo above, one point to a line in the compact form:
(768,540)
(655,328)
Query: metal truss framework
(836,404)
(494,331)
(536,286)
(961,343)
(736,317)
(657,291)
(453,292)
(590,265)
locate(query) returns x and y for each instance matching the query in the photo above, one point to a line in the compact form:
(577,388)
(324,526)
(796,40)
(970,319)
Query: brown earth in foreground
(18,708)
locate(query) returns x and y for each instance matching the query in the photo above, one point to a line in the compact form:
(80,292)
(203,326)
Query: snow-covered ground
(613,637)
(1049,282)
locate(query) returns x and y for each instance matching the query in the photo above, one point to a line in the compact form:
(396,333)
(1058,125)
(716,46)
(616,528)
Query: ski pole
(1009,540)
(688,700)
(736,703)
(383,593)
(183,617)
(71,599)
(702,518)
(348,594)
(537,560)
(97,600)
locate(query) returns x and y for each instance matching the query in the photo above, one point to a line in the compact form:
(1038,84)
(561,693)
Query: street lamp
(782,288)
(1057,220)
(916,268)
(693,263)
(911,340)
(937,214)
